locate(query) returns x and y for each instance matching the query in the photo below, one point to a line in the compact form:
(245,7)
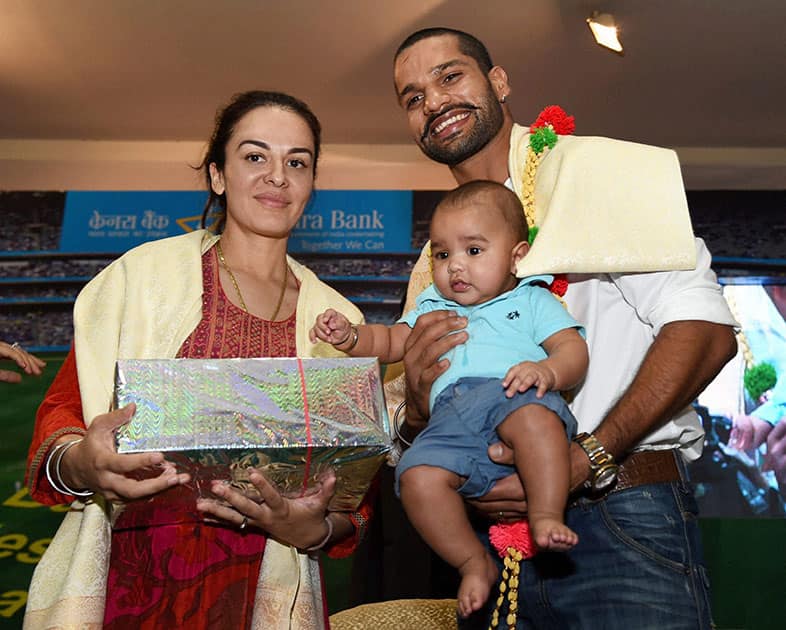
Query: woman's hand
(30,363)
(299,522)
(95,464)
(428,341)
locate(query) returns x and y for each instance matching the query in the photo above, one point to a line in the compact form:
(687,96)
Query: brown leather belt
(638,469)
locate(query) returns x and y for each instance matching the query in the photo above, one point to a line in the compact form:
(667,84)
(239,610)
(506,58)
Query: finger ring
(243,523)
(501,516)
(16,346)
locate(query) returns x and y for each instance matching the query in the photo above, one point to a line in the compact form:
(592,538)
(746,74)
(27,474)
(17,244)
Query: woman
(197,296)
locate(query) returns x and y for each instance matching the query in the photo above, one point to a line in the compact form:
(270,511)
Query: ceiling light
(604,30)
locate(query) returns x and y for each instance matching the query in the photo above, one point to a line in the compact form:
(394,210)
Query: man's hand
(507,500)
(429,340)
(510,494)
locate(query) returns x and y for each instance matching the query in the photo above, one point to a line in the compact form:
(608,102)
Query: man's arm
(683,359)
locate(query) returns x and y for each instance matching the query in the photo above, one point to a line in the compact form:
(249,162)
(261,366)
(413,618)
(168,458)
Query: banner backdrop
(335,221)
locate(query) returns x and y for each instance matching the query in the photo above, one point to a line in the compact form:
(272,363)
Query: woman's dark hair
(214,213)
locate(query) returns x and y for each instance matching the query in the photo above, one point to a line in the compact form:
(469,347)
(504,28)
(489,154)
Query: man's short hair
(504,199)
(468,45)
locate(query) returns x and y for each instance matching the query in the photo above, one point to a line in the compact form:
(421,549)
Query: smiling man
(454,107)
(613,216)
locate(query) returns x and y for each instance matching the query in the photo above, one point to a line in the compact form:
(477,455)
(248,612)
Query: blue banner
(335,221)
(355,221)
(110,222)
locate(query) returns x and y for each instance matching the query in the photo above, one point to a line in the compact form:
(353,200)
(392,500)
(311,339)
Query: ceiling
(707,76)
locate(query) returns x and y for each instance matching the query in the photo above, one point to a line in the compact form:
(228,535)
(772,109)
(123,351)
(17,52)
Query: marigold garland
(513,542)
(557,118)
(551,123)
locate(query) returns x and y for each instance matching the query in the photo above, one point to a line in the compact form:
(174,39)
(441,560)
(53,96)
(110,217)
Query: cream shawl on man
(601,206)
(143,306)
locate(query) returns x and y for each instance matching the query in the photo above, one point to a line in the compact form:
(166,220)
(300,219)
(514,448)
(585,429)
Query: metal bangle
(354,339)
(48,468)
(402,405)
(325,541)
(353,332)
(59,477)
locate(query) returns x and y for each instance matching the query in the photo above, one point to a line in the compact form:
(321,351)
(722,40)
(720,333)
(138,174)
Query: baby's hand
(331,326)
(529,374)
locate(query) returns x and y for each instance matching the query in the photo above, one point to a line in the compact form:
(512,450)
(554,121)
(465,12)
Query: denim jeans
(638,565)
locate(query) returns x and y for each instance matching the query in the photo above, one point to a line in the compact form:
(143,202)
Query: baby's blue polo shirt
(504,331)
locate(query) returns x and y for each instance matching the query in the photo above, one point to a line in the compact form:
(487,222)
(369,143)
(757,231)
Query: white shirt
(622,314)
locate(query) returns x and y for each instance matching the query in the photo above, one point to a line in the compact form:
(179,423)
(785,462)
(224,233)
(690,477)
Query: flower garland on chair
(513,541)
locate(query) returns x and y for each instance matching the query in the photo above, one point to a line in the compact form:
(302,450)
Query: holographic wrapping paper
(214,418)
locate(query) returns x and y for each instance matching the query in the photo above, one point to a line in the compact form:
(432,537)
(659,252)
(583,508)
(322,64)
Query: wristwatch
(603,470)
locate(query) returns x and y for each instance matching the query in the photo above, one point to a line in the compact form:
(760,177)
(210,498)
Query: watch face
(604,478)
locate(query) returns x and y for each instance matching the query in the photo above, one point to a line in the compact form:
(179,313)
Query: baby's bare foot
(552,534)
(477,577)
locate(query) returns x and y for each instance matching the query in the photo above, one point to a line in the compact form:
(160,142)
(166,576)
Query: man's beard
(489,119)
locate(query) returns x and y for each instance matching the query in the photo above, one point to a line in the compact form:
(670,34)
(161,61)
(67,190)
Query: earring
(503,99)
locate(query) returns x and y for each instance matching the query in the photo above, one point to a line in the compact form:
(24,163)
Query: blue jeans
(638,565)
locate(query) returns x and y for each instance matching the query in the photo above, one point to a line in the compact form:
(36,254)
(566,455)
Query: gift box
(292,419)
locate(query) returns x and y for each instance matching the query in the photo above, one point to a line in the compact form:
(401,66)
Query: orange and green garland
(544,133)
(513,541)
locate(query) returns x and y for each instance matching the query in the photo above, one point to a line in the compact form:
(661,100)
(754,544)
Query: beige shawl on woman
(143,306)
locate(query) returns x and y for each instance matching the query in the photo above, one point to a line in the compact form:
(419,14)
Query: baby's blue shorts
(464,424)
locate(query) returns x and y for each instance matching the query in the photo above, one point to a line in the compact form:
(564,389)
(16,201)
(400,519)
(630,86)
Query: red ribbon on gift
(307,417)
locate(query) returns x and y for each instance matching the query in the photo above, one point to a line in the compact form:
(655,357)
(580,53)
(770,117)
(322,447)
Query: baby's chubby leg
(542,455)
(434,506)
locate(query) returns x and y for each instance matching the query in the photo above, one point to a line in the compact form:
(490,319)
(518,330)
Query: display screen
(742,471)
